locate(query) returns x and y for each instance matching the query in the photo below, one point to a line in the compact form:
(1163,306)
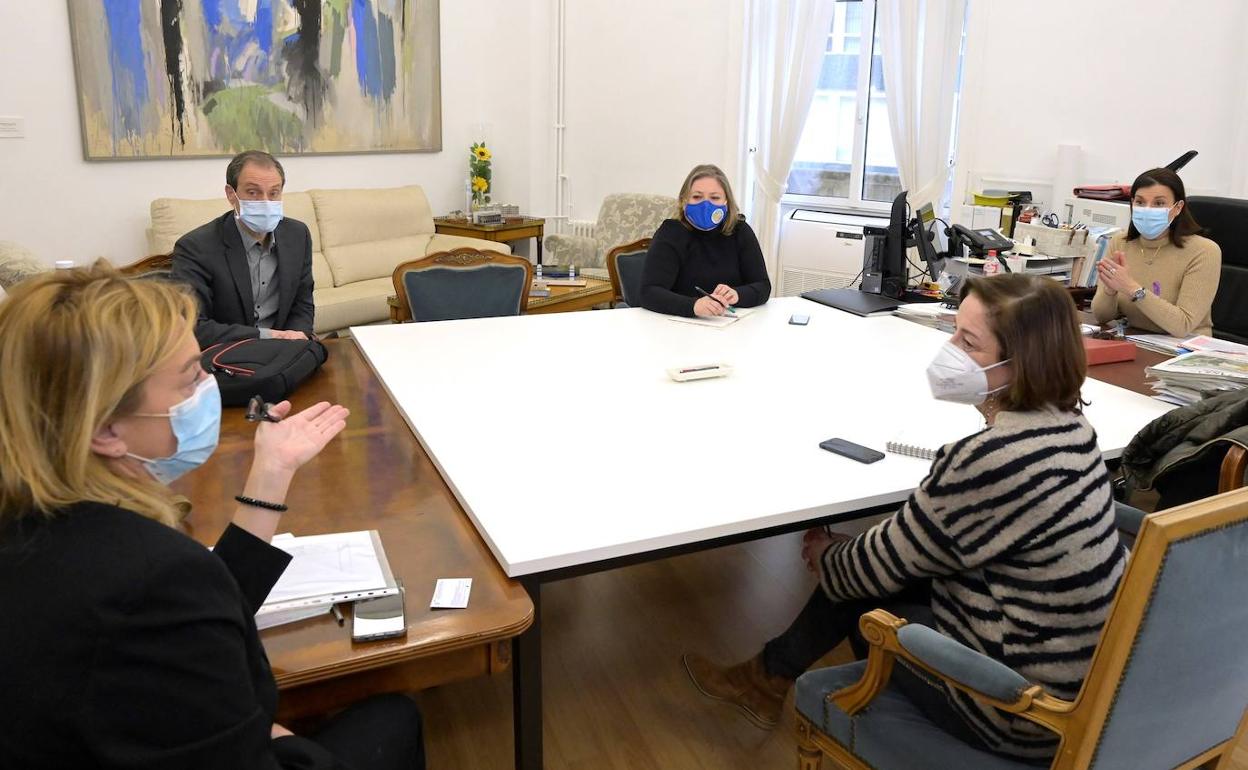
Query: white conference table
(500,404)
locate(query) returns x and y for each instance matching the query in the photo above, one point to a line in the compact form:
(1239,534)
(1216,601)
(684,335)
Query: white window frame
(855,201)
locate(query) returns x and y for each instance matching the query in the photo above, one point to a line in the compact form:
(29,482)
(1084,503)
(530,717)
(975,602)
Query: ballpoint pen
(337,614)
(706,293)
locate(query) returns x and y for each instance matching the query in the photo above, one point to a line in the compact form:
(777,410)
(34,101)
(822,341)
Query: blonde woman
(126,643)
(706,260)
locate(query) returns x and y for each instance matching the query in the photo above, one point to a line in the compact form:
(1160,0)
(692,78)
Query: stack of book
(1190,377)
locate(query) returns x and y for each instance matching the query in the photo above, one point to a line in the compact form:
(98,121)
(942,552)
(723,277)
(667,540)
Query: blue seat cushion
(891,733)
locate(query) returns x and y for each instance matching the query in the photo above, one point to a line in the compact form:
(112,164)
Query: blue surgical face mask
(196,423)
(706,215)
(1151,223)
(260,216)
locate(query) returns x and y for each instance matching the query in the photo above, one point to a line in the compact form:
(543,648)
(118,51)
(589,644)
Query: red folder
(1104,192)
(1108,351)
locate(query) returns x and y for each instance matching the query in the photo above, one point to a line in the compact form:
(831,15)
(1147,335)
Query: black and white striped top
(1015,528)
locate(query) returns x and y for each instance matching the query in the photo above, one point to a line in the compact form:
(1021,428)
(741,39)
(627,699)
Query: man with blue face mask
(250,268)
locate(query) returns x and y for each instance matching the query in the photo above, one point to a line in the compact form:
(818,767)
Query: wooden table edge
(402,655)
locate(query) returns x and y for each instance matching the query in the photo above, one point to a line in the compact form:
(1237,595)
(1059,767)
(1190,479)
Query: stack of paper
(1191,376)
(1218,346)
(933,314)
(1159,343)
(325,570)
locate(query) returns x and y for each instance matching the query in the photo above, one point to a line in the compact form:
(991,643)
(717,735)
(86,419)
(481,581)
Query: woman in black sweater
(130,645)
(707,247)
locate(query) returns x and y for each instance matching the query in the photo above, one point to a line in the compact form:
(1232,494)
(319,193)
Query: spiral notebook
(921,441)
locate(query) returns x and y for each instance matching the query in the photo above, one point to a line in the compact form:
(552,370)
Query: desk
(519,229)
(647,493)
(372,476)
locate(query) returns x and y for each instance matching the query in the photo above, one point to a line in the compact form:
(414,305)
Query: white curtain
(792,39)
(920,41)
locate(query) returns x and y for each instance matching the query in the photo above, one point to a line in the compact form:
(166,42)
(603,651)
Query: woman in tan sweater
(1161,276)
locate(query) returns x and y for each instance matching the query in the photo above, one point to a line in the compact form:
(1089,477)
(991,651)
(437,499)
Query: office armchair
(1167,687)
(462,283)
(624,266)
(623,218)
(1226,223)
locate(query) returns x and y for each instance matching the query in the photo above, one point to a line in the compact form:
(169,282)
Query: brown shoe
(748,686)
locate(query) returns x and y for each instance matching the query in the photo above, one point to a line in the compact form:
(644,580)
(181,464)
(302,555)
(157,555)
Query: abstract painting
(195,78)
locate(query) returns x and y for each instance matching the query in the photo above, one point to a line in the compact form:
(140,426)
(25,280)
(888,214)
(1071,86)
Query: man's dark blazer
(212,260)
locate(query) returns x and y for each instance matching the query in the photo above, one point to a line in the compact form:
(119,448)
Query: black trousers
(823,624)
(379,733)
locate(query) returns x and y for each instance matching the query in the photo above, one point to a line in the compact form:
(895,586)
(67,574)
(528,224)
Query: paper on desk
(451,593)
(270,619)
(1219,346)
(716,322)
(329,565)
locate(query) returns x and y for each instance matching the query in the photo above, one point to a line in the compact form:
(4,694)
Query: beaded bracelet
(261,503)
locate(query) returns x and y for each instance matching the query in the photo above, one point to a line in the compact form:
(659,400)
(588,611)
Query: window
(846,150)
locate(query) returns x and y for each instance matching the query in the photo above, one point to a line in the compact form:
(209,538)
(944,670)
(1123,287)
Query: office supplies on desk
(1203,342)
(911,444)
(727,308)
(716,322)
(1108,351)
(1158,343)
(698,372)
(325,570)
(451,593)
(1186,379)
(924,439)
(853,301)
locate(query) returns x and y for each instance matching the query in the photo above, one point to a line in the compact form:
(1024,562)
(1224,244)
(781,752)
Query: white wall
(652,88)
(1135,84)
(60,206)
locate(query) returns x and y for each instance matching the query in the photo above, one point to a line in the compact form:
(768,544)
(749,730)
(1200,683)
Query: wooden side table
(516,229)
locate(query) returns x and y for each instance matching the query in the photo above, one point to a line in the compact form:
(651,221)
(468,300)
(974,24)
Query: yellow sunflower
(481,153)
(479,184)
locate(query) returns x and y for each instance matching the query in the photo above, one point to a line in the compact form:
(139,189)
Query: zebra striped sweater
(1014,526)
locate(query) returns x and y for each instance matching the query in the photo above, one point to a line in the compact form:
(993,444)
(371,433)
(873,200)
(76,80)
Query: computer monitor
(884,255)
(884,267)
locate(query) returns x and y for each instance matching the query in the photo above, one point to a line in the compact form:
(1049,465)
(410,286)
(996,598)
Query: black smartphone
(378,618)
(851,450)
(798,319)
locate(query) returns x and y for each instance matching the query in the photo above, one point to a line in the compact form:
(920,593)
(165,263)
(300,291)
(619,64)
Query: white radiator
(581,227)
(821,250)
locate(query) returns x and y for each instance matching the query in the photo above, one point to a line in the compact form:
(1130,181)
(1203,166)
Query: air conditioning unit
(821,249)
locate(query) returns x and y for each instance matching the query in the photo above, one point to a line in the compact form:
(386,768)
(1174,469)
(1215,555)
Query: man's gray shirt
(262,266)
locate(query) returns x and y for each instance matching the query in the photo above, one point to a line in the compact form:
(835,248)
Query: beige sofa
(358,238)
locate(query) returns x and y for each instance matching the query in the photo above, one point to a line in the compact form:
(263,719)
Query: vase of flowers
(479,159)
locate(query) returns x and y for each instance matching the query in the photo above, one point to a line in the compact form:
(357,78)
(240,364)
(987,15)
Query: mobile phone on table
(851,450)
(799,319)
(380,617)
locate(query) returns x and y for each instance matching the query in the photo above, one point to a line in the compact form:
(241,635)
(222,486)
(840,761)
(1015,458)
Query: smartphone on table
(851,450)
(381,617)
